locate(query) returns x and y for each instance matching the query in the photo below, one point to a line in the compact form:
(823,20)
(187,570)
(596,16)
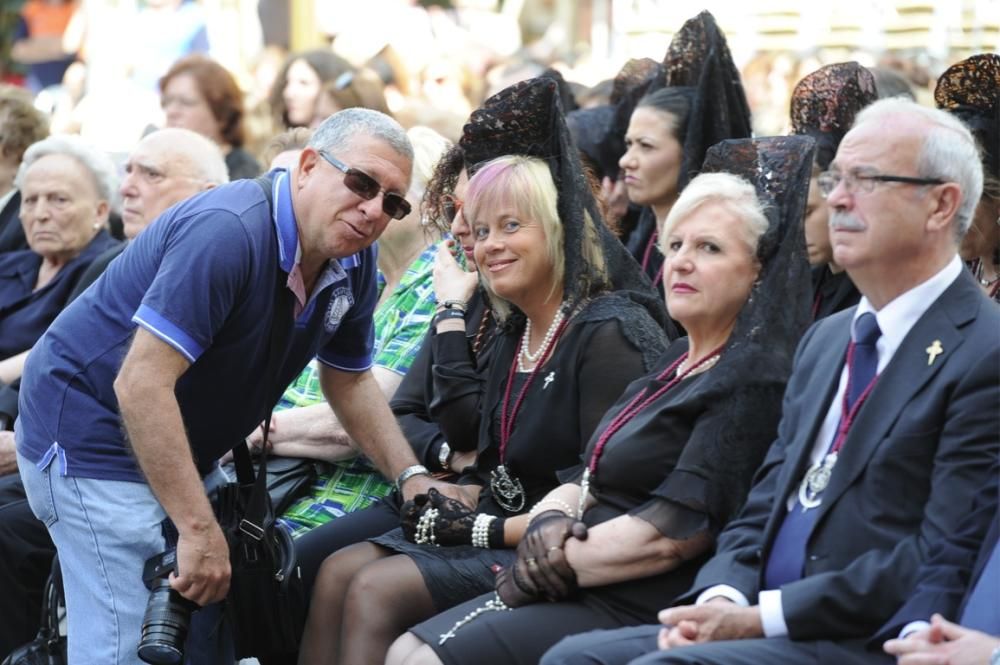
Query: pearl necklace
(704,365)
(527,356)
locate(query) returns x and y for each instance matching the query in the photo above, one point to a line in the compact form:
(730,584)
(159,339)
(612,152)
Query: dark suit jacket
(953,566)
(919,449)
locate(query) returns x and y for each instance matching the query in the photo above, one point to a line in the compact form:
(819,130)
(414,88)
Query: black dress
(590,367)
(682,465)
(832,292)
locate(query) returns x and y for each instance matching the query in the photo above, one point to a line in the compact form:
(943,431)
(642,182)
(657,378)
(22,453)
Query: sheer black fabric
(631,83)
(590,128)
(699,57)
(970,89)
(768,329)
(825,102)
(439,398)
(566,96)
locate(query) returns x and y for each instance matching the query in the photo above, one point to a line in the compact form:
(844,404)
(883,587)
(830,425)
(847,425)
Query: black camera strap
(259,513)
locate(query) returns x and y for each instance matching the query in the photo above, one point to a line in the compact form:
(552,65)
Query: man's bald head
(165,168)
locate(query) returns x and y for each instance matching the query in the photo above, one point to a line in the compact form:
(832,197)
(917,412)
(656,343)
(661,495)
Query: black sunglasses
(450,205)
(368,188)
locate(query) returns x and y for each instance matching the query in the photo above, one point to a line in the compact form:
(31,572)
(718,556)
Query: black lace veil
(699,57)
(970,90)
(825,102)
(527,119)
(761,348)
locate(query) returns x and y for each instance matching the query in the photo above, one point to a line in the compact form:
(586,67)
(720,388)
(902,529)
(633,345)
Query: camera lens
(165,625)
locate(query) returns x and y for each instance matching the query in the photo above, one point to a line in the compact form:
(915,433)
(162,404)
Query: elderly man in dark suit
(953,616)
(889,426)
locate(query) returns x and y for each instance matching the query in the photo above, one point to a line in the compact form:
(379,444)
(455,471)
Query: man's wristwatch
(409,472)
(444,455)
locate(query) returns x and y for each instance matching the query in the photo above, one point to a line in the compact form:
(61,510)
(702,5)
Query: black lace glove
(514,590)
(454,522)
(410,514)
(541,558)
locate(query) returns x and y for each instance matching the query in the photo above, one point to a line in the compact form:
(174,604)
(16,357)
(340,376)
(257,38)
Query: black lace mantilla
(771,323)
(825,102)
(970,89)
(699,57)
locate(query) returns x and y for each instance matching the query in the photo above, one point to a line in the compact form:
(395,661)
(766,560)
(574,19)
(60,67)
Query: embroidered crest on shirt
(340,302)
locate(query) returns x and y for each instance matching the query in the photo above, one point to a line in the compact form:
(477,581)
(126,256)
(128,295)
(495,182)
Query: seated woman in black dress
(823,107)
(671,462)
(66,190)
(566,349)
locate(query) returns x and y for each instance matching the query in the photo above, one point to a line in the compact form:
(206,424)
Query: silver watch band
(409,472)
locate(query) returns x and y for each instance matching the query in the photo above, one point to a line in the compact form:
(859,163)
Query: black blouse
(591,365)
(685,463)
(439,398)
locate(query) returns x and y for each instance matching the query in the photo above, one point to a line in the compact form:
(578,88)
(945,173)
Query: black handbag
(48,647)
(265,606)
(288,478)
(266,601)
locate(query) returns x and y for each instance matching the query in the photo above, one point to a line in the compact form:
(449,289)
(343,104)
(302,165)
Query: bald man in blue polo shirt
(162,366)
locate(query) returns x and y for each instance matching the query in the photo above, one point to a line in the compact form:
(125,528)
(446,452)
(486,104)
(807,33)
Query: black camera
(168,614)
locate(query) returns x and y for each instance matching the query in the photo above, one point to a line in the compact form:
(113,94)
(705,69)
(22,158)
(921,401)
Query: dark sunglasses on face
(368,188)
(450,206)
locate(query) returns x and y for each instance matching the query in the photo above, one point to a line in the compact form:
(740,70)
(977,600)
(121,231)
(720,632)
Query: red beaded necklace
(640,402)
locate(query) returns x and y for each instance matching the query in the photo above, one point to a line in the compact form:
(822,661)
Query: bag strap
(259,514)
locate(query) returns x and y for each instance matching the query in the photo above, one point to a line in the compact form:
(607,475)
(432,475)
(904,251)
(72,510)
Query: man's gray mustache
(844,222)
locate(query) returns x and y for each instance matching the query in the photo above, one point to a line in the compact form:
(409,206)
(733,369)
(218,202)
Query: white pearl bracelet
(537,508)
(481,530)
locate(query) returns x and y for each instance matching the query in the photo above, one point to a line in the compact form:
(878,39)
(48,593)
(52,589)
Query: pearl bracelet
(537,508)
(481,530)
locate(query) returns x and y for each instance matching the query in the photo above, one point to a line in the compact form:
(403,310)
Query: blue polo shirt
(202,278)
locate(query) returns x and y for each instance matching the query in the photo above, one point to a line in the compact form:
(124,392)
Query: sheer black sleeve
(612,362)
(713,475)
(459,383)
(410,406)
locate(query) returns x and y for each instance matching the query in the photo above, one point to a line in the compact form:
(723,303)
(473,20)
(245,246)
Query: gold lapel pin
(933,351)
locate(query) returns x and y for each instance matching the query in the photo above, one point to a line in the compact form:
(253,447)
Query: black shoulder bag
(266,604)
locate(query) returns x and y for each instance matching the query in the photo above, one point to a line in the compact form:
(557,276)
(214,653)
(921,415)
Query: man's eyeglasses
(368,188)
(864,181)
(450,206)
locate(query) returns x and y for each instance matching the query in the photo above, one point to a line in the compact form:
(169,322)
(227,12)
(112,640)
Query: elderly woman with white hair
(67,191)
(671,461)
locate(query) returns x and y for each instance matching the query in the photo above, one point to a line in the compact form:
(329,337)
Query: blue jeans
(104,531)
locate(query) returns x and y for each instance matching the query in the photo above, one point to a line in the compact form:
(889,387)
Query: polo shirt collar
(286,228)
